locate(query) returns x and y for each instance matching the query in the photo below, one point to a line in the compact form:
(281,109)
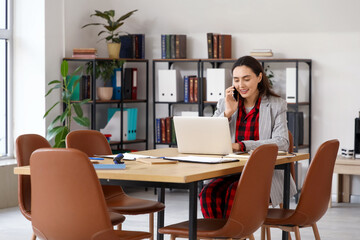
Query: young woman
(256,116)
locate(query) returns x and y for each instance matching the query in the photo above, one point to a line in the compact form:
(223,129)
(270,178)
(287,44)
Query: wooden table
(180,175)
(345,167)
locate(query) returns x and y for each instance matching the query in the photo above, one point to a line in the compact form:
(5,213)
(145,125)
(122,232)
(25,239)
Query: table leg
(160,214)
(286,196)
(193,211)
(346,188)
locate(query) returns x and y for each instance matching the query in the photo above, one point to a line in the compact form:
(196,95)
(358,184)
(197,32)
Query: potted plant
(104,70)
(111,29)
(60,126)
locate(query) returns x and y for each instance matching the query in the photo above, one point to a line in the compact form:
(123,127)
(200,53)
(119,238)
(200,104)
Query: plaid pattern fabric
(217,197)
(247,125)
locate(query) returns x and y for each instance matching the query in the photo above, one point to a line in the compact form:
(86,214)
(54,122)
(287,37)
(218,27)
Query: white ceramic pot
(104,93)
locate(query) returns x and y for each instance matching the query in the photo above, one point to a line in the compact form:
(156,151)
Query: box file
(291,85)
(217,80)
(113,126)
(170,87)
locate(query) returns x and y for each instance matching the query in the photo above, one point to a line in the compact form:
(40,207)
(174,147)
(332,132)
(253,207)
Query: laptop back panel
(203,135)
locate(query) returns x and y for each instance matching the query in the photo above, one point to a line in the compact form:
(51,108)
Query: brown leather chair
(67,200)
(25,145)
(314,197)
(93,142)
(250,203)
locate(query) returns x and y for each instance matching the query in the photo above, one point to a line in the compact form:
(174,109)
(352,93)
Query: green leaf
(85,101)
(47,112)
(55,87)
(78,110)
(64,115)
(64,68)
(83,121)
(122,18)
(51,126)
(110,13)
(54,81)
(55,131)
(92,24)
(60,138)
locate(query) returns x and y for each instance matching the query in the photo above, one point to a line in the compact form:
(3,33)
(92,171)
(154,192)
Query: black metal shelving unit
(119,103)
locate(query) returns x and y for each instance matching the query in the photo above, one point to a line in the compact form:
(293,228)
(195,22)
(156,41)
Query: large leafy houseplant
(60,126)
(111,26)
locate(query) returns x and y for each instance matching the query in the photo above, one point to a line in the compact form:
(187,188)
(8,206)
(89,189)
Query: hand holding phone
(236,94)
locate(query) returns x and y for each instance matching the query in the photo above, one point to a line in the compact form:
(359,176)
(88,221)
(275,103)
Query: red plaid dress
(217,197)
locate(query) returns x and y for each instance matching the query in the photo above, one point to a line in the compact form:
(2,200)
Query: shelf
(176,102)
(116,101)
(104,59)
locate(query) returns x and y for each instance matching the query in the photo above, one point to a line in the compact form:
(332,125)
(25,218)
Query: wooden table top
(174,173)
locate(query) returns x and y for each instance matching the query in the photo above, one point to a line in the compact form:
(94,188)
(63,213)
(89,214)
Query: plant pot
(104,93)
(114,50)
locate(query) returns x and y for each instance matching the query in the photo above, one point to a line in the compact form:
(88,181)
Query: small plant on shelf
(111,31)
(60,126)
(269,74)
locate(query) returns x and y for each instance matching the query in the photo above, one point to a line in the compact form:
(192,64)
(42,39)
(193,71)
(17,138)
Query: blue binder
(132,120)
(116,83)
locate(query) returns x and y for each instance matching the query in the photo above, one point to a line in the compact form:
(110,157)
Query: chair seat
(204,227)
(117,200)
(116,218)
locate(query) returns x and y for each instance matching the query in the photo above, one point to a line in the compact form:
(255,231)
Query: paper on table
(131,156)
(198,159)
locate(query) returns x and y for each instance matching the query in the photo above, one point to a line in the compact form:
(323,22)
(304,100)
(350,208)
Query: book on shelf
(132,46)
(86,53)
(261,53)
(173,46)
(189,88)
(218,45)
(128,78)
(165,131)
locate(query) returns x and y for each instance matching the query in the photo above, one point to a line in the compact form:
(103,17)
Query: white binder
(291,85)
(113,126)
(170,88)
(217,80)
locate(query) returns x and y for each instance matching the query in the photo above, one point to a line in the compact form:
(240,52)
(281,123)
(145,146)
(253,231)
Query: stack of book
(165,131)
(218,45)
(132,46)
(261,53)
(86,53)
(190,89)
(173,46)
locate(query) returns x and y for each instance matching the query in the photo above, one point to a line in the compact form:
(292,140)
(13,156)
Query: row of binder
(130,83)
(129,124)
(165,131)
(173,88)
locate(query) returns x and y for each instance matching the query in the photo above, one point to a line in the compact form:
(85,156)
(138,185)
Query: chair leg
(262,233)
(172,237)
(316,231)
(119,226)
(268,233)
(289,236)
(33,237)
(151,225)
(297,233)
(251,237)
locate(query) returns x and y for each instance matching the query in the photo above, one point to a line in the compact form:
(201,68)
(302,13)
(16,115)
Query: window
(5,38)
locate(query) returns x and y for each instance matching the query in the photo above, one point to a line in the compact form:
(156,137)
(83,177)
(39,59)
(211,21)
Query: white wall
(325,31)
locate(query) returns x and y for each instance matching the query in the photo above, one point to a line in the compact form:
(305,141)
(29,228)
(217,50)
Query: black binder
(296,126)
(128,83)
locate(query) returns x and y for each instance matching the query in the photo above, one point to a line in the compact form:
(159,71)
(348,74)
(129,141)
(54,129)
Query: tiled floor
(340,222)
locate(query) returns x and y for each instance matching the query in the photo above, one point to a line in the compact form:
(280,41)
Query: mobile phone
(236,94)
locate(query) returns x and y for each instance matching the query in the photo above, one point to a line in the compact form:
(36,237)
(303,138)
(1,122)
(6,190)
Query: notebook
(203,135)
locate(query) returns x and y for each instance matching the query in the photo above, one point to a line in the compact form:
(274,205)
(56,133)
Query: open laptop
(203,135)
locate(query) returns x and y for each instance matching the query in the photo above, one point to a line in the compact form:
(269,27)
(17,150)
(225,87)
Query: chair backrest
(291,142)
(67,200)
(90,142)
(252,196)
(316,190)
(25,145)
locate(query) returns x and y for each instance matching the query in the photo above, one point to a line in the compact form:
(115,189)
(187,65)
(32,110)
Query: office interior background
(327,32)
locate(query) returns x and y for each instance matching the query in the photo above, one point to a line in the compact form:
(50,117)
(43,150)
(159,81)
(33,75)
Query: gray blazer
(272,129)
